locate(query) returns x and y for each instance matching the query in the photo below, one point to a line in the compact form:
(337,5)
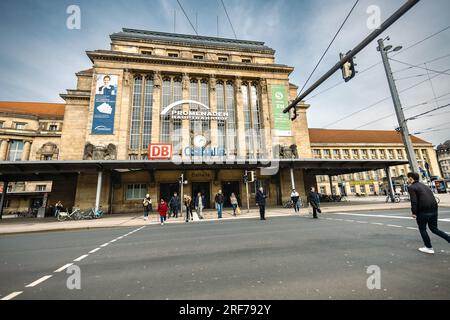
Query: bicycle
(74,215)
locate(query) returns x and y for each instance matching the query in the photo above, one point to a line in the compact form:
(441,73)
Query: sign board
(282,123)
(158,151)
(104,104)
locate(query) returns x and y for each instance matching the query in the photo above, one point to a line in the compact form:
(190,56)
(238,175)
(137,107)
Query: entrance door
(228,188)
(204,188)
(166,190)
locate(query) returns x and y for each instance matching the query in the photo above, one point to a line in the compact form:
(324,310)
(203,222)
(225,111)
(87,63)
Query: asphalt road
(280,258)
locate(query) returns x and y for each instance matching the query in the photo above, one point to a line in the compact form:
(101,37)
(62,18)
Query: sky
(39,55)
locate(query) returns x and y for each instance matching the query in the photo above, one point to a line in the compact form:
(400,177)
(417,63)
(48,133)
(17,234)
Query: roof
(193,40)
(51,170)
(340,136)
(39,109)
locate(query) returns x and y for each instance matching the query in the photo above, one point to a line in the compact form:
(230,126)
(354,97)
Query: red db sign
(159,151)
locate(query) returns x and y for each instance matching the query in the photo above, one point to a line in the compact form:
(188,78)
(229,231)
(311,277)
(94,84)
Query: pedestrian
(219,203)
(58,207)
(295,197)
(188,205)
(314,201)
(425,210)
(261,202)
(234,203)
(199,204)
(147,203)
(175,204)
(162,209)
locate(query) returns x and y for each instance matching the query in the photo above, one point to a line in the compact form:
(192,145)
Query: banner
(282,123)
(104,104)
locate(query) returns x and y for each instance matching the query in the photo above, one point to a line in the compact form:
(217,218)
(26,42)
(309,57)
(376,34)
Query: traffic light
(245,178)
(180,179)
(348,69)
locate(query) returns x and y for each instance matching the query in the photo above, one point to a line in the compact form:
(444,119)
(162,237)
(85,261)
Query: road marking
(12,295)
(81,257)
(349,220)
(63,267)
(33,284)
(113,240)
(378,224)
(119,238)
(393,225)
(94,250)
(380,216)
(104,245)
(362,221)
(411,228)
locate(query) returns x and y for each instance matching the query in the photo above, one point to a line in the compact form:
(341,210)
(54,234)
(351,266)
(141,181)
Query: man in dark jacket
(219,199)
(261,202)
(314,201)
(425,210)
(175,204)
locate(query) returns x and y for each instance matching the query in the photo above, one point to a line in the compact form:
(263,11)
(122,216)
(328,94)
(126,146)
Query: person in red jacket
(162,209)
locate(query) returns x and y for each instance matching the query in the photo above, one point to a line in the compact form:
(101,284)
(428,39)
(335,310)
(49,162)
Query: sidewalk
(24,225)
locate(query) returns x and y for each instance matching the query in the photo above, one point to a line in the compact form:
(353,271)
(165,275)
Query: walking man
(295,197)
(175,204)
(314,201)
(219,203)
(199,204)
(261,202)
(425,210)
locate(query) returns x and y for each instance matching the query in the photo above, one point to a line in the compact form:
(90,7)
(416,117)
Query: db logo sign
(159,151)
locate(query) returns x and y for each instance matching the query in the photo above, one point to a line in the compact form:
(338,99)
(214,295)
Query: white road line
(393,225)
(411,228)
(378,224)
(119,238)
(104,245)
(380,216)
(12,295)
(94,250)
(349,220)
(113,240)
(362,221)
(33,284)
(63,267)
(81,257)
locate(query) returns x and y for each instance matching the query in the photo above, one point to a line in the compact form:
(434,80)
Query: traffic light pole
(386,24)
(181,195)
(398,109)
(246,188)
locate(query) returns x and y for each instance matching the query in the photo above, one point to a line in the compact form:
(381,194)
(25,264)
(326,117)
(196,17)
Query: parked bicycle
(74,215)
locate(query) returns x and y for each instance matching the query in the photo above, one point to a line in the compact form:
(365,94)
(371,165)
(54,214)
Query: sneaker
(162,223)
(145,218)
(426,250)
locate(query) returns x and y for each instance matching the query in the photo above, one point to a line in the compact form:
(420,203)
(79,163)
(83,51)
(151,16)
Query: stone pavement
(23,225)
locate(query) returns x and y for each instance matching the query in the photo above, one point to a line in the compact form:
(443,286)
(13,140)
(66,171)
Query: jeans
(162,218)
(234,209)
(175,212)
(189,213)
(219,207)
(199,212)
(430,219)
(146,211)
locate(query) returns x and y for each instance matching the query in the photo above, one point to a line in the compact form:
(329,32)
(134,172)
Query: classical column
(241,147)
(4,149)
(213,108)
(157,108)
(26,151)
(266,144)
(185,125)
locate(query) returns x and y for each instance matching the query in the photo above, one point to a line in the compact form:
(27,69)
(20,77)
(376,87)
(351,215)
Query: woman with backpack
(147,203)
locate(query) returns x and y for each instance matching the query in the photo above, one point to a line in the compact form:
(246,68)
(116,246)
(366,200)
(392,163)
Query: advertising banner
(282,123)
(104,104)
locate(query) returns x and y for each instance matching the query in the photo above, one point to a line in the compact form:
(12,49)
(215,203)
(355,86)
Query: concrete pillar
(26,151)
(213,108)
(390,186)
(99,190)
(265,109)
(4,149)
(331,184)
(2,199)
(185,127)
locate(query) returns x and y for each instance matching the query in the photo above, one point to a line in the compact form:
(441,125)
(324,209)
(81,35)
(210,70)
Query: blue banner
(104,104)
